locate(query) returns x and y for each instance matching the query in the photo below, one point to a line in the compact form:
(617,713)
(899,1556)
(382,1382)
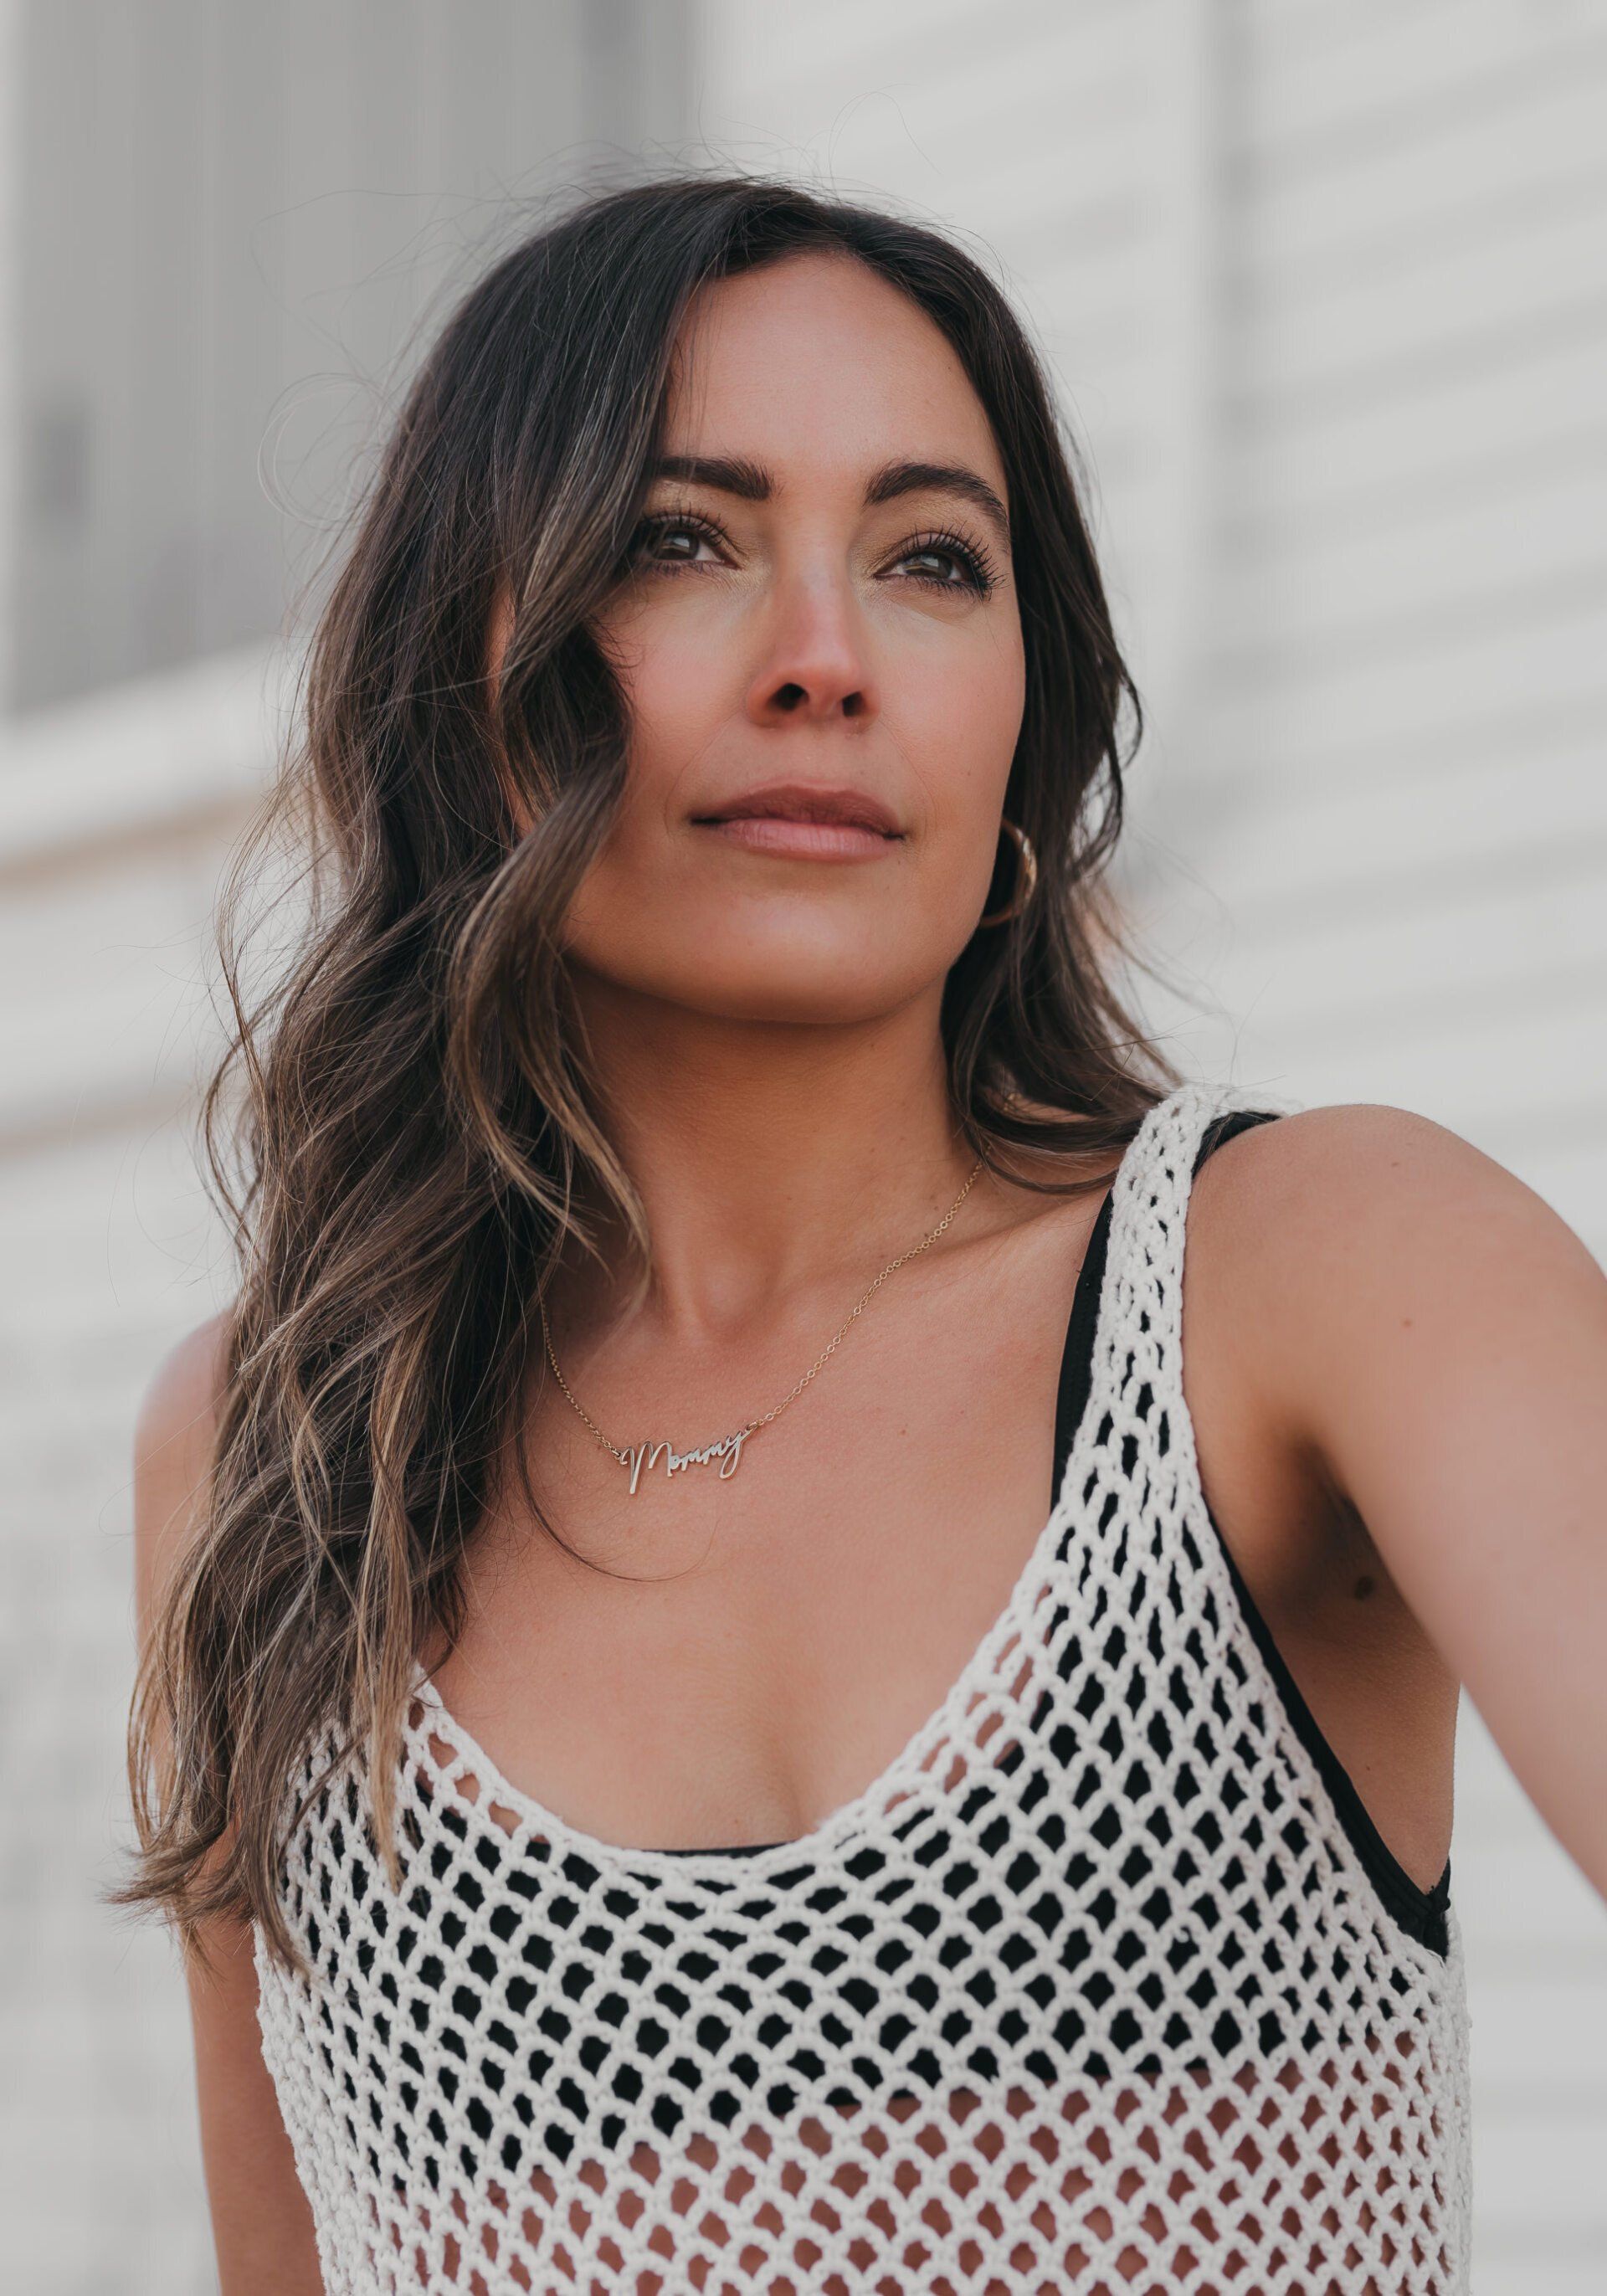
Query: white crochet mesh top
(1106,1984)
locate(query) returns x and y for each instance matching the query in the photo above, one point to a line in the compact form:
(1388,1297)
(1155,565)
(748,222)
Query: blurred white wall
(1325,283)
(231,217)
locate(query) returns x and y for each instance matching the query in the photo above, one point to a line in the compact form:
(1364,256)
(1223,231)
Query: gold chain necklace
(728,1450)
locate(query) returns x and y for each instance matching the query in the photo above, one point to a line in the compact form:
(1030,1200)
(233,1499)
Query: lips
(810,803)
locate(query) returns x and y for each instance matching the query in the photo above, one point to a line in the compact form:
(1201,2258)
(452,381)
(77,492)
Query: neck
(769,1156)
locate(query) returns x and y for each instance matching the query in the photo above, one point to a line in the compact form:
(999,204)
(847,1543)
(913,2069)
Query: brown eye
(677,527)
(945,548)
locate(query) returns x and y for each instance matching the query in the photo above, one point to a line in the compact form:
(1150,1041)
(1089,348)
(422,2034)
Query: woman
(712,1333)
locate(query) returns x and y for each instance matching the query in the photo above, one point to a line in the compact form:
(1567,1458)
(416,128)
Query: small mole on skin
(1364,1588)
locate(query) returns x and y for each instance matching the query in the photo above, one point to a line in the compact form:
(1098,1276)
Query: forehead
(817,363)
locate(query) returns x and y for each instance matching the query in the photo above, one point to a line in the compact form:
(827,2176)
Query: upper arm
(1437,1335)
(261,2223)
(173,1438)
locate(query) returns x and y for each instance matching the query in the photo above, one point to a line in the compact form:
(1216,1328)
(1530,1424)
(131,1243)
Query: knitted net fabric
(1088,1990)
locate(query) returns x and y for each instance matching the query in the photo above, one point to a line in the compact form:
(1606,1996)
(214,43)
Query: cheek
(630,918)
(676,702)
(958,730)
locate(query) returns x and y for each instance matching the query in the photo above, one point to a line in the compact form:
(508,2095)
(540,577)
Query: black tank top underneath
(1420,1911)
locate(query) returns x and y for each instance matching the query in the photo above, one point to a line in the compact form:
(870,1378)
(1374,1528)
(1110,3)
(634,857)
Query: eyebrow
(736,475)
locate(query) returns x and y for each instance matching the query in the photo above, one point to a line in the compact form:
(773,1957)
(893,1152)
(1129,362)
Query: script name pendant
(728,1451)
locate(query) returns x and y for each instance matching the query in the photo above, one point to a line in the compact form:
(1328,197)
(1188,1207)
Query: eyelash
(979,576)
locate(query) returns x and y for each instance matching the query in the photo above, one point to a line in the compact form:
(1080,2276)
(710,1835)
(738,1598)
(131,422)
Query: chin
(734,979)
(795,1004)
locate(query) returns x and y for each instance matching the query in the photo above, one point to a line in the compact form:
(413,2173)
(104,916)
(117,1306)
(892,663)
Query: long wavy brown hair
(402,1132)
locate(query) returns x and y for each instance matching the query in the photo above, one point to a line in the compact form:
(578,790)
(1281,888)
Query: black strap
(1076,1361)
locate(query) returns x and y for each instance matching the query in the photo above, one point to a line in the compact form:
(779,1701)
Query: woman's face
(820,620)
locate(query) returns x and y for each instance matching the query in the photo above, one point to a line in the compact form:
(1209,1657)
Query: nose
(815,664)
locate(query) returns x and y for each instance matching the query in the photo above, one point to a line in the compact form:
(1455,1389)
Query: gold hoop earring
(1026,872)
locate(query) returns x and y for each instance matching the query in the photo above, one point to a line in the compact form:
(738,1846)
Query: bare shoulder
(1357,1240)
(1334,1176)
(174,1431)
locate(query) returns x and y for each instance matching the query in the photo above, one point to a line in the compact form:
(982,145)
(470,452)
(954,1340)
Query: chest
(715,1660)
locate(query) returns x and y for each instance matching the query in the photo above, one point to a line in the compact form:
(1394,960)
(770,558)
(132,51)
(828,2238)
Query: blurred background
(1323,285)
